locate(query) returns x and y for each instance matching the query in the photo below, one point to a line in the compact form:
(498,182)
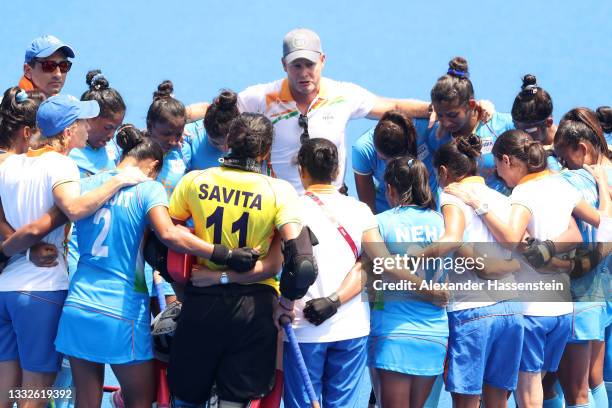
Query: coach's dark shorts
(225,336)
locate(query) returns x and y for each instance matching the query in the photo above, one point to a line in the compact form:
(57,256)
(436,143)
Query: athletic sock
(600,396)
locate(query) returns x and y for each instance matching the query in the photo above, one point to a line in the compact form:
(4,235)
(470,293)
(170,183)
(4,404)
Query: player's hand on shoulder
(129,176)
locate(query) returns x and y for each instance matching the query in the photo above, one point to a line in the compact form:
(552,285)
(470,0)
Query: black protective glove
(585,260)
(239,259)
(539,253)
(319,310)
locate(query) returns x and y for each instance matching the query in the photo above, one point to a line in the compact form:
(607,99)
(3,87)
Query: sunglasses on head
(50,66)
(303,123)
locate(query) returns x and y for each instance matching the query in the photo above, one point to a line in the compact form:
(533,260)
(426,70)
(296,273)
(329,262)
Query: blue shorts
(336,369)
(168,291)
(484,347)
(408,354)
(588,321)
(28,325)
(608,357)
(607,319)
(102,337)
(545,340)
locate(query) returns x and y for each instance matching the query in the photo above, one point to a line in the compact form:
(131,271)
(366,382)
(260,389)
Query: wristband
(220,255)
(335,299)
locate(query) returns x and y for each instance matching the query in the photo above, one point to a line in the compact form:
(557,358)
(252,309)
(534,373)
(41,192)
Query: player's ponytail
(518,144)
(409,177)
(319,157)
(136,145)
(250,136)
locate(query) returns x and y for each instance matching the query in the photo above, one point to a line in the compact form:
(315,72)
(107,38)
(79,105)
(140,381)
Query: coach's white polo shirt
(336,103)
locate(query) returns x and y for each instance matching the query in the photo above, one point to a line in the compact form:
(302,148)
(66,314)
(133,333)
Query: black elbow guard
(300,267)
(156,254)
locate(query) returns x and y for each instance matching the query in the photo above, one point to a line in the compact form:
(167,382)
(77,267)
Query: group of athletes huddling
(252,185)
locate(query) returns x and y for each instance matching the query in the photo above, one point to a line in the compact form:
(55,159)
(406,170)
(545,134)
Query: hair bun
(164,90)
(530,85)
(96,81)
(128,137)
(227,99)
(529,79)
(458,67)
(604,115)
(529,143)
(469,145)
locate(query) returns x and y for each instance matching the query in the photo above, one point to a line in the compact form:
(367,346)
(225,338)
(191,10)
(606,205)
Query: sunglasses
(49,66)
(303,123)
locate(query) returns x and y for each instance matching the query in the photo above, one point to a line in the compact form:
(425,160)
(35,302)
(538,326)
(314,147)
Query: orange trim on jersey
(322,188)
(535,176)
(285,93)
(473,179)
(272,97)
(26,84)
(40,152)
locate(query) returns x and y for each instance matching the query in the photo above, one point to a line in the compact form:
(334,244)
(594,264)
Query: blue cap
(60,111)
(46,45)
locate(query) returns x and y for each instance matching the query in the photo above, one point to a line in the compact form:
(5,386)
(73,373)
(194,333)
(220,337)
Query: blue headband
(21,96)
(410,161)
(457,73)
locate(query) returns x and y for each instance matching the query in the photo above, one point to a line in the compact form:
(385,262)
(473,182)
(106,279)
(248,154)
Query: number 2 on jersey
(240,225)
(97,249)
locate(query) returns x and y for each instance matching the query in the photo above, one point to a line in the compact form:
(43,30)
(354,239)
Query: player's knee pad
(300,267)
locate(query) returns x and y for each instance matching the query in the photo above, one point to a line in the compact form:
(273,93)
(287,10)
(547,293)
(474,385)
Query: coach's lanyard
(340,228)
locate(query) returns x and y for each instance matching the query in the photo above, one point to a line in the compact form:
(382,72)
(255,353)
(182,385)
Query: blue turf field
(394,48)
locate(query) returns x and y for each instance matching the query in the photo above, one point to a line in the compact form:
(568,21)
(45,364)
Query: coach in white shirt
(306,105)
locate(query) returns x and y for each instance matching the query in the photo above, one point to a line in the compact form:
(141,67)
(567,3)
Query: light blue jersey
(488,133)
(203,155)
(553,163)
(584,182)
(177,162)
(399,227)
(90,161)
(367,162)
(425,151)
(590,286)
(110,273)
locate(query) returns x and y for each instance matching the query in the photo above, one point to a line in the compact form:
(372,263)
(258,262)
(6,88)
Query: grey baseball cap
(301,43)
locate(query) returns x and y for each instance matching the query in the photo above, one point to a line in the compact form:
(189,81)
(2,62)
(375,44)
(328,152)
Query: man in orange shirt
(46,65)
